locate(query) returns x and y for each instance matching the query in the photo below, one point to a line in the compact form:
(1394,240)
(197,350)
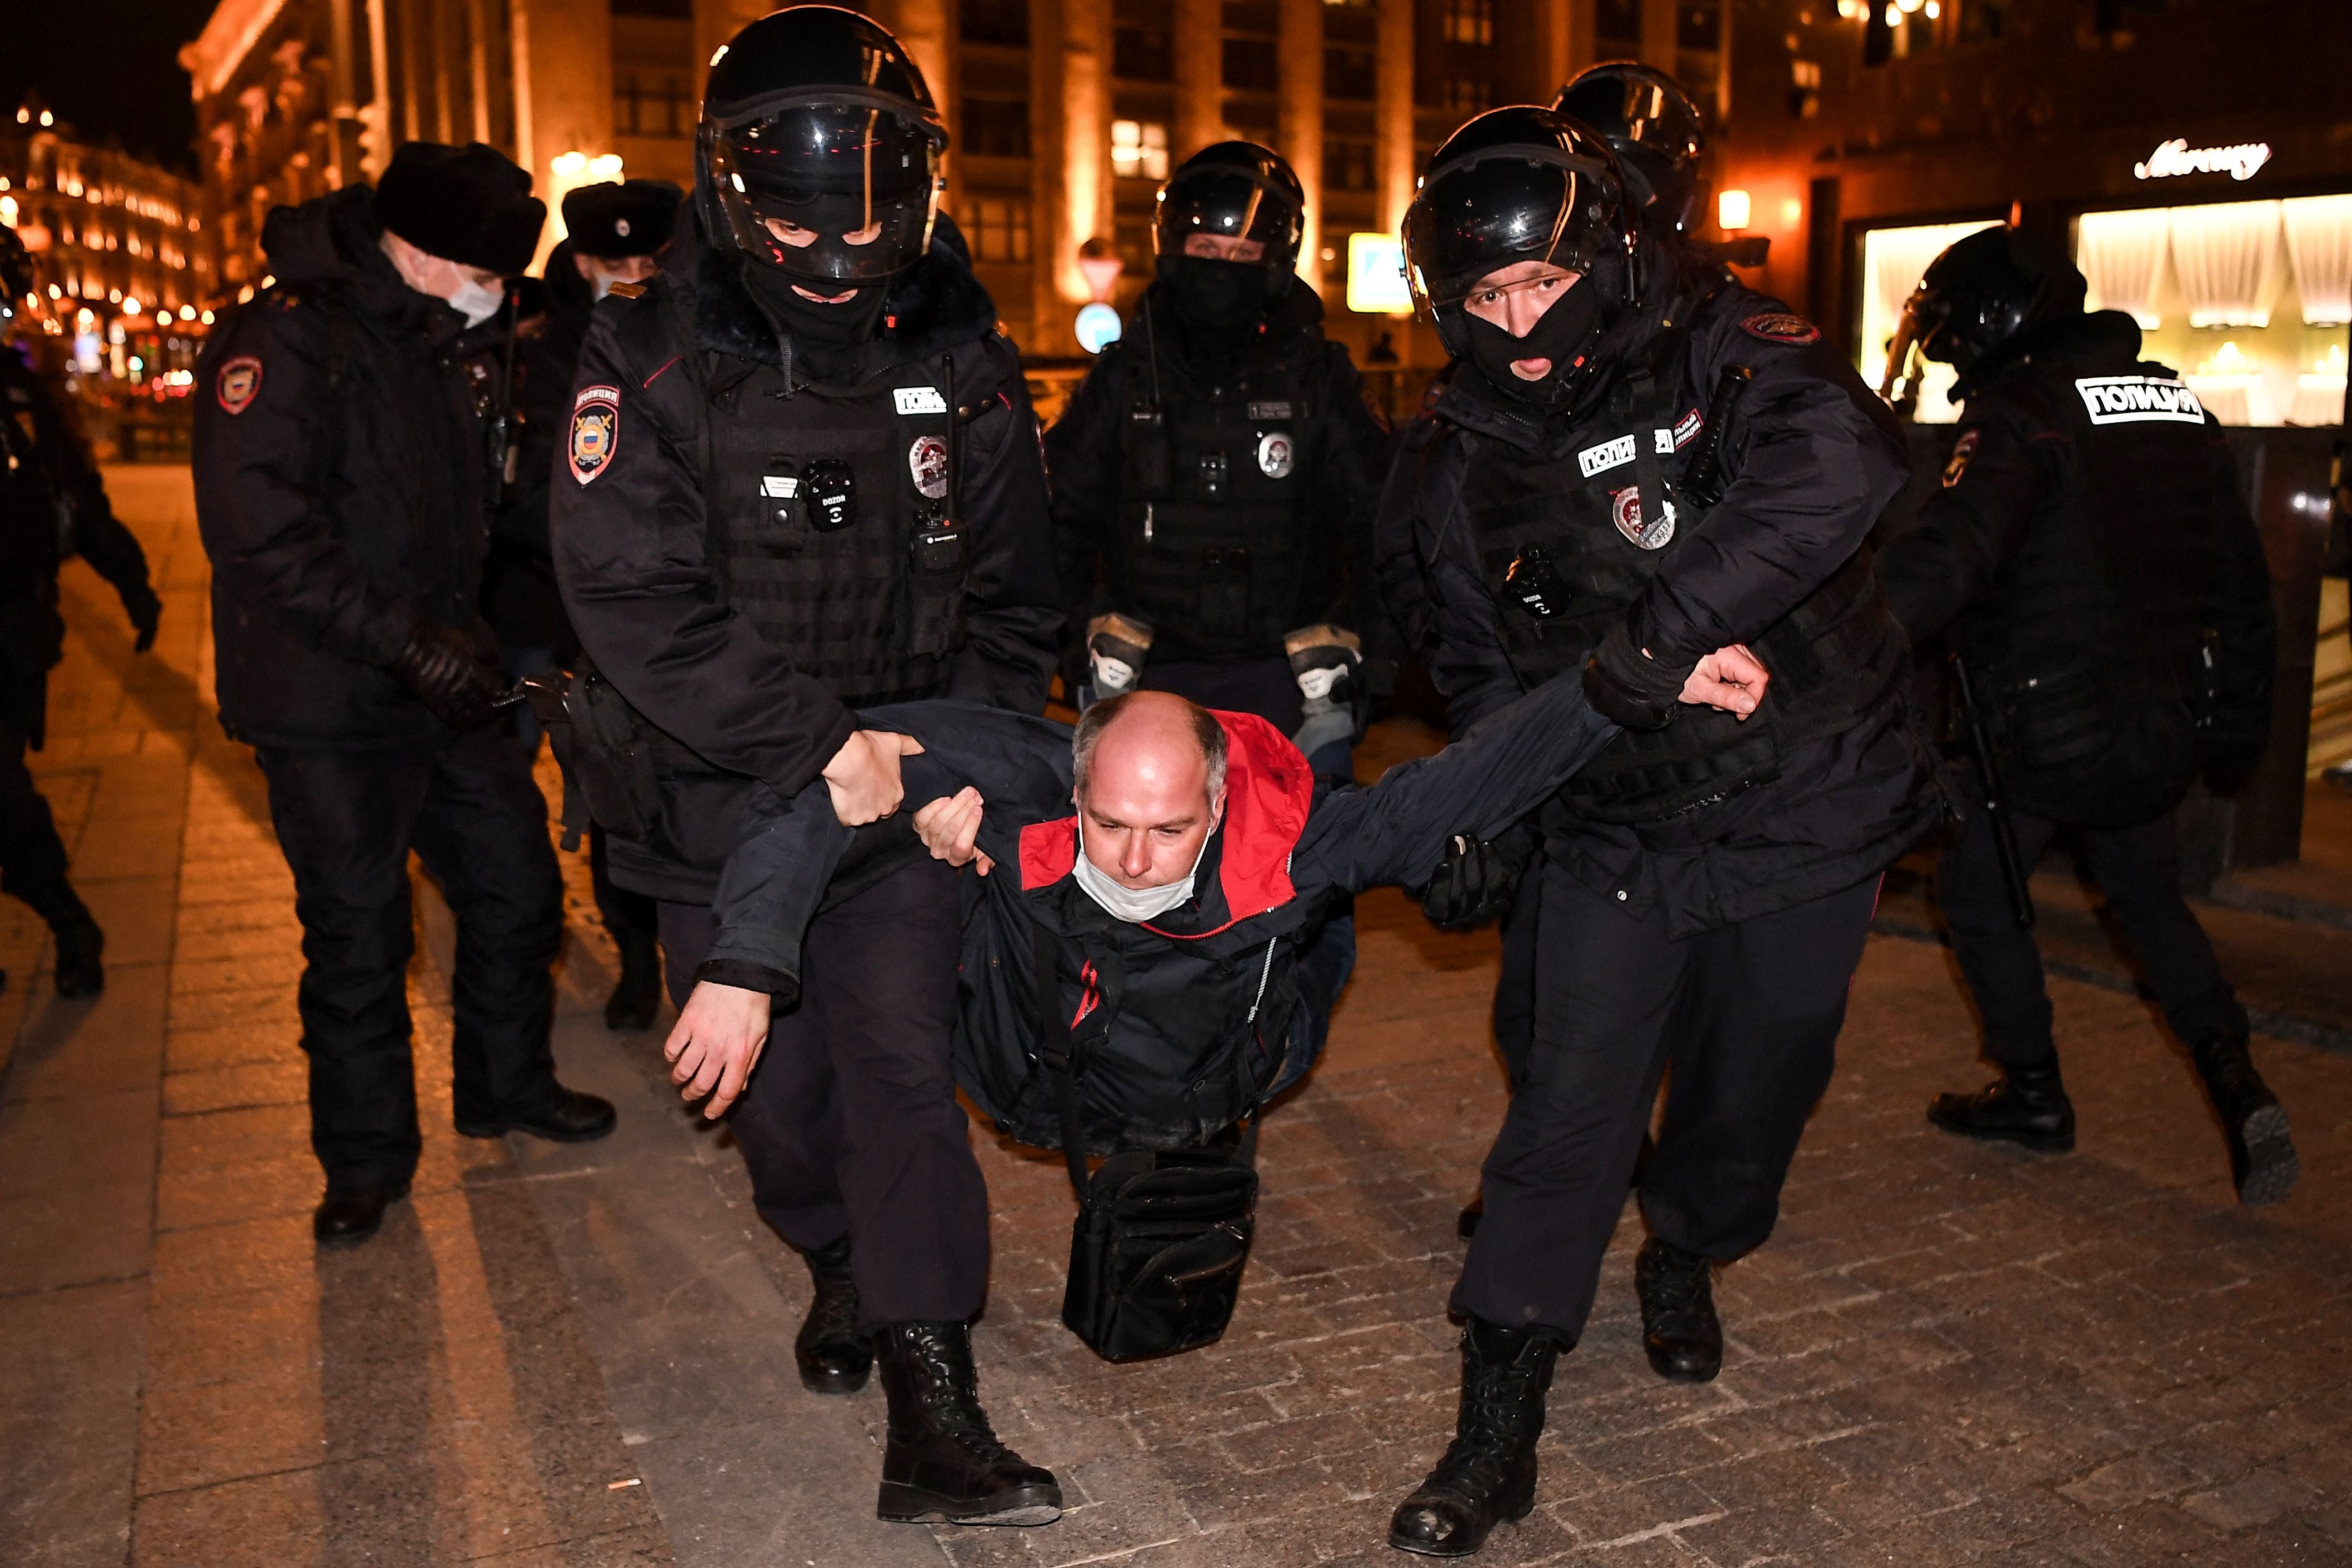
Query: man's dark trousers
(32,856)
(850,1126)
(347,821)
(1747,1014)
(2138,869)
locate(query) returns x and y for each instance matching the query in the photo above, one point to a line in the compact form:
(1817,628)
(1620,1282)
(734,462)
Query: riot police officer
(612,233)
(342,472)
(1214,476)
(802,476)
(46,472)
(2095,569)
(1635,462)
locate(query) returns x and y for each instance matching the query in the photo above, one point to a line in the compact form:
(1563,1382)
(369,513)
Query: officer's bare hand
(1729,679)
(863,777)
(950,826)
(719,1034)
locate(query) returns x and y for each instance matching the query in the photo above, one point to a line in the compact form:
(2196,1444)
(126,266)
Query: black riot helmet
(1656,132)
(815,116)
(1239,190)
(1986,298)
(15,267)
(1522,184)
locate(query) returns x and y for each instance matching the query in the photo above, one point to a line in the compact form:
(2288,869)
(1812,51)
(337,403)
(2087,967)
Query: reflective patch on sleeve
(239,383)
(596,431)
(1962,450)
(1781,327)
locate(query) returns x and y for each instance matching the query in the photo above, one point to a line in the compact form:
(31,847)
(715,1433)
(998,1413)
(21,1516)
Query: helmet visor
(832,192)
(1230,204)
(1501,206)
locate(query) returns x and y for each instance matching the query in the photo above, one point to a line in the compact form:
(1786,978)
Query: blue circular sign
(1098,326)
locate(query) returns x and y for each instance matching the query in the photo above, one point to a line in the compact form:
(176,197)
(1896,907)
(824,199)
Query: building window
(1617,25)
(995,128)
(1348,165)
(1250,65)
(1142,53)
(652,106)
(1350,74)
(1138,150)
(1698,24)
(1464,94)
(999,230)
(1979,21)
(995,22)
(1470,22)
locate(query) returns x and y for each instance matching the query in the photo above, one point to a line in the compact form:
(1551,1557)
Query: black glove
(1478,879)
(146,612)
(450,673)
(1630,687)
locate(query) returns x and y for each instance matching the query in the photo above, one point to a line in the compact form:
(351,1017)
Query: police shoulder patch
(239,383)
(1781,327)
(595,431)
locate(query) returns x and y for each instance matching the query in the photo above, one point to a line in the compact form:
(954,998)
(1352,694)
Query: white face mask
(1133,905)
(478,302)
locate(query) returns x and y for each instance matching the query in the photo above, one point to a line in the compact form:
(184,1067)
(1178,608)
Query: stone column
(1300,125)
(1069,73)
(1394,112)
(1658,34)
(344,125)
(1198,39)
(562,88)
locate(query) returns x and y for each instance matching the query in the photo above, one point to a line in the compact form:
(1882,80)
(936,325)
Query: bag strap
(1054,1050)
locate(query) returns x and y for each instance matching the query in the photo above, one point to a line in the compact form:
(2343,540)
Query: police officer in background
(802,477)
(1216,473)
(612,233)
(2094,567)
(343,476)
(46,474)
(1636,462)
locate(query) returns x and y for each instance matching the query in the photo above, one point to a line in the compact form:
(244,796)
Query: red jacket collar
(1268,788)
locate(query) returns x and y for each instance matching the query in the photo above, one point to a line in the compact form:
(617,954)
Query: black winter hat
(467,205)
(634,217)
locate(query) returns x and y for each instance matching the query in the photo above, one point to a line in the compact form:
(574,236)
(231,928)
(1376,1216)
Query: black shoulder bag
(1156,1256)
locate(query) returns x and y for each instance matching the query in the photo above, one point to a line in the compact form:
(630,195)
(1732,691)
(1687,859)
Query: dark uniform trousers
(32,856)
(1748,1017)
(850,1125)
(347,821)
(2139,869)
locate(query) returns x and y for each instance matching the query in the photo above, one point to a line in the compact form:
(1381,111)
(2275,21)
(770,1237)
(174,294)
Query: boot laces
(950,1395)
(1502,1410)
(1677,1280)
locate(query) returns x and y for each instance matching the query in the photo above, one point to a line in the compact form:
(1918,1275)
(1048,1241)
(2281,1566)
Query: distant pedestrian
(51,497)
(342,474)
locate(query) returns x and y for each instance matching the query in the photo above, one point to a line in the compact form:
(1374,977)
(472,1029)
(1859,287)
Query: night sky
(108,68)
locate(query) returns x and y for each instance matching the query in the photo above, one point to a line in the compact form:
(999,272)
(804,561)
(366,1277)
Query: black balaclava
(828,341)
(1562,332)
(1218,304)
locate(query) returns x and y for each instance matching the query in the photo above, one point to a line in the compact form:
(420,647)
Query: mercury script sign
(2178,157)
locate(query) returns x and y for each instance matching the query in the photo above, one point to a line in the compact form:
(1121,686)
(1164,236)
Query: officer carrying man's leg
(352,657)
(1215,474)
(2094,568)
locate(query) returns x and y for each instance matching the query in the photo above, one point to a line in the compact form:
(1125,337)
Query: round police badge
(1625,507)
(1782,327)
(1962,450)
(1275,454)
(596,431)
(239,383)
(927,459)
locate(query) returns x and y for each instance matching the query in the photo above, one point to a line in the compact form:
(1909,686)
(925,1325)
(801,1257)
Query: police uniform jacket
(340,476)
(51,500)
(2091,555)
(716,578)
(1777,562)
(1184,1023)
(520,597)
(1225,505)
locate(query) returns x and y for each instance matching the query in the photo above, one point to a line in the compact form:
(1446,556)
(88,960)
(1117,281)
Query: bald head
(1151,785)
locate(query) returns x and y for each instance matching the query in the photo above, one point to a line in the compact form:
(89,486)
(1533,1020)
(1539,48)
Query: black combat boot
(1679,1328)
(1488,1473)
(353,1211)
(943,1461)
(2262,1157)
(2026,1105)
(834,1357)
(79,943)
(637,996)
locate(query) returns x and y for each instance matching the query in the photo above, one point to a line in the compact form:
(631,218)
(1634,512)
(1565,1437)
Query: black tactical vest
(29,520)
(1211,535)
(1568,544)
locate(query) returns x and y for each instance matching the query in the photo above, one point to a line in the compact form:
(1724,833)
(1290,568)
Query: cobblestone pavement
(581,1355)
